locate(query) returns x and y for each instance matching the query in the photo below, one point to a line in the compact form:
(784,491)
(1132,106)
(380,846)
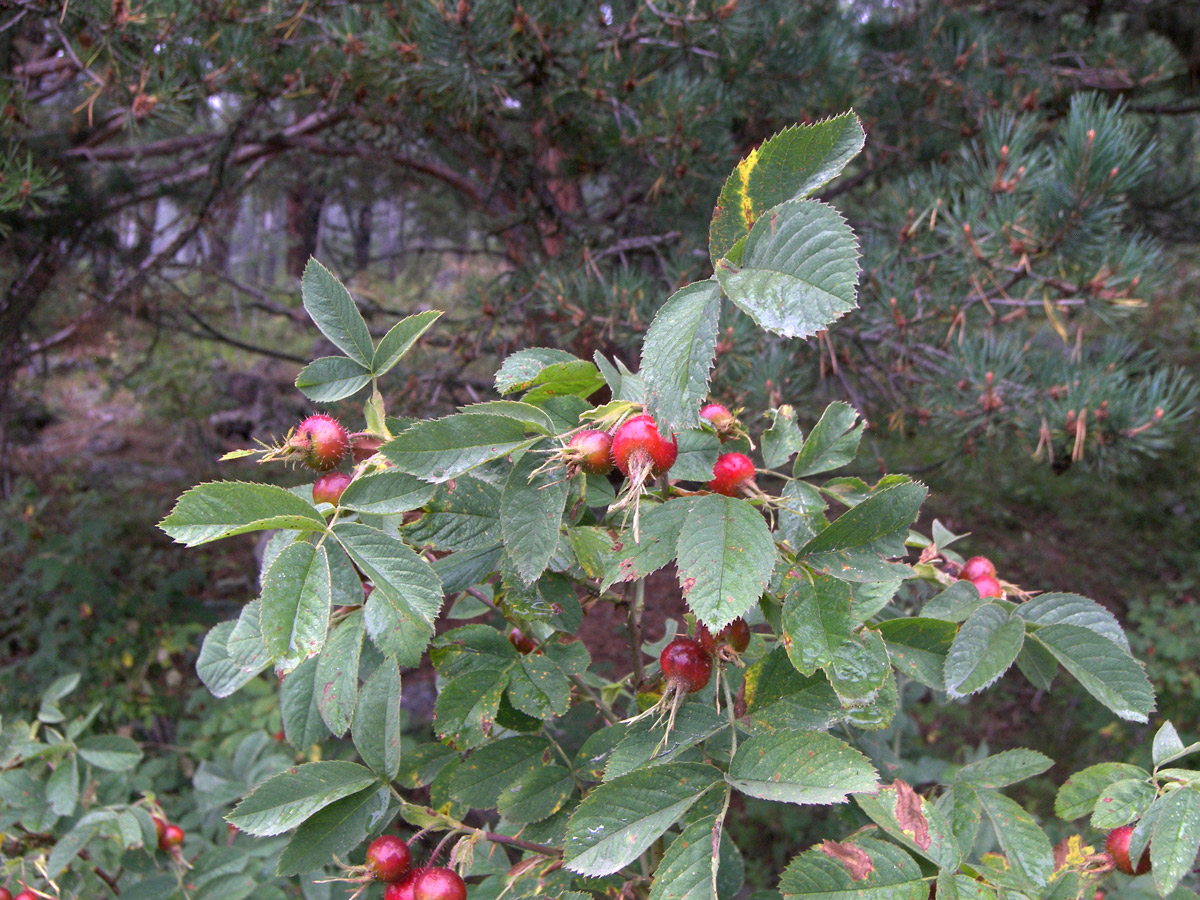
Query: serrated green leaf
(853,546)
(782,438)
(678,353)
(1176,839)
(302,722)
(1002,769)
(956,603)
(913,821)
(533,417)
(577,378)
(1072,609)
(471,647)
(400,339)
(440,449)
(464,514)
(725,558)
(647,743)
(1078,795)
(660,528)
(1167,745)
(478,781)
(862,869)
(538,687)
(376,724)
(519,369)
(816,619)
(1038,665)
(793,163)
(221,509)
(986,645)
(619,820)
(336,678)
(333,310)
(333,831)
(420,765)
(1023,842)
(110,752)
(386,493)
(531,513)
(1108,673)
(536,795)
(294,612)
(465,711)
(461,570)
(407,598)
(332,378)
(811,767)
(686,869)
(918,648)
(284,801)
(69,845)
(780,699)
(698,452)
(216,668)
(245,645)
(879,712)
(62,786)
(801,513)
(860,668)
(1122,802)
(832,443)
(798,271)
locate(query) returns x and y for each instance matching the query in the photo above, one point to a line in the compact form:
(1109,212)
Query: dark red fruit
(731,473)
(172,837)
(736,635)
(686,664)
(402,889)
(977,567)
(159,827)
(321,442)
(388,858)
(638,446)
(27,895)
(592,451)
(439,884)
(988,586)
(5,894)
(523,642)
(717,414)
(1117,846)
(329,487)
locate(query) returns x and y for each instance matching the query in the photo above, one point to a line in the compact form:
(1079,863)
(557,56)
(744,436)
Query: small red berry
(736,635)
(988,586)
(523,642)
(686,665)
(172,837)
(1117,845)
(717,414)
(439,884)
(592,451)
(388,858)
(159,827)
(637,445)
(329,487)
(321,442)
(402,889)
(731,473)
(977,567)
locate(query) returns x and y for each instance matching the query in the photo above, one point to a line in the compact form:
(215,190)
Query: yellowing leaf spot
(744,168)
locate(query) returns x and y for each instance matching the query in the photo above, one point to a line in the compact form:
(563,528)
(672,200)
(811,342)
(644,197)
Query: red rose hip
(320,441)
(591,451)
(329,487)
(439,884)
(402,889)
(686,665)
(977,567)
(172,838)
(1117,845)
(388,858)
(988,586)
(521,641)
(638,446)
(736,635)
(717,414)
(731,473)
(5,894)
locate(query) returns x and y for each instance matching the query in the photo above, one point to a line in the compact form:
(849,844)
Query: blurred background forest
(1028,204)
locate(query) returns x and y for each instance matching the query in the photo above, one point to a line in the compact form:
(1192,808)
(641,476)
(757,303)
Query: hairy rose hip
(329,487)
(686,665)
(637,445)
(320,441)
(388,858)
(590,450)
(439,884)
(736,635)
(172,838)
(521,641)
(402,889)
(731,473)
(1117,845)
(988,586)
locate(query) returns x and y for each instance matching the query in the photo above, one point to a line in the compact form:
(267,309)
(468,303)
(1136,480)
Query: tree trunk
(304,204)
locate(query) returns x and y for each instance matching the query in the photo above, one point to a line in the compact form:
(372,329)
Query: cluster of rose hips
(170,836)
(321,442)
(26,894)
(687,663)
(389,860)
(980,572)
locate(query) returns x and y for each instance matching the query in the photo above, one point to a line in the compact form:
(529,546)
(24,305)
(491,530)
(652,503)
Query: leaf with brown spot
(854,858)
(909,815)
